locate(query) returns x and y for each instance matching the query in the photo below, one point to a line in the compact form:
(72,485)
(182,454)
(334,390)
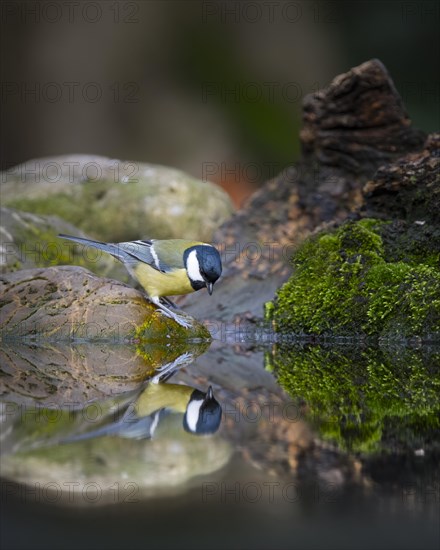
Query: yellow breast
(159,396)
(157,283)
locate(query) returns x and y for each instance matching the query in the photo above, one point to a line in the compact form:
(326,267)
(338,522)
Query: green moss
(41,247)
(76,206)
(52,250)
(362,279)
(44,248)
(159,328)
(94,206)
(157,354)
(353,397)
(412,243)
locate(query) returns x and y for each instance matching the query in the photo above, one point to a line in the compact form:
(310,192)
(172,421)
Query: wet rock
(30,240)
(115,200)
(65,303)
(349,130)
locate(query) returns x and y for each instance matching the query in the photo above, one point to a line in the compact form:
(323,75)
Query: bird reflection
(157,407)
(157,401)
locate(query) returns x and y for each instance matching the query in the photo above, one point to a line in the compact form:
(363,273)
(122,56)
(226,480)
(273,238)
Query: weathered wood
(358,122)
(408,189)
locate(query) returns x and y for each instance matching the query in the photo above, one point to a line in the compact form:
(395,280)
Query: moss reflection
(364,400)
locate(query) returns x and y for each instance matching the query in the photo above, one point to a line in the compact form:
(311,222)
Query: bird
(202,413)
(166,267)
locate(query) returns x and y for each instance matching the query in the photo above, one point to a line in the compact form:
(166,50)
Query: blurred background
(213,88)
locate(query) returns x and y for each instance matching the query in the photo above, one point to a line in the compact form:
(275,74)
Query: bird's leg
(175,316)
(167,302)
(166,371)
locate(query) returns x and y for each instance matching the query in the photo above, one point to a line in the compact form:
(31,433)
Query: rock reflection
(149,436)
(51,373)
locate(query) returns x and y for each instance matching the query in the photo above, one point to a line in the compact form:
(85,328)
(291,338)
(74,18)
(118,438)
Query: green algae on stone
(88,191)
(362,279)
(168,352)
(354,397)
(158,327)
(29,240)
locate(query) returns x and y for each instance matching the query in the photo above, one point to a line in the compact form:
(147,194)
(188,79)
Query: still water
(236,444)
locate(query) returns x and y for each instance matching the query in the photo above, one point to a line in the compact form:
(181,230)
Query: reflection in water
(145,435)
(365,400)
(137,416)
(141,419)
(52,374)
(141,445)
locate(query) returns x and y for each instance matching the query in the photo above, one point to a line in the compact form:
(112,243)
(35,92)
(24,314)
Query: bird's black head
(203,265)
(203,414)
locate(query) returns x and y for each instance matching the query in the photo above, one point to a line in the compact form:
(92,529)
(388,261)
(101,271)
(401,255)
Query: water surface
(318,446)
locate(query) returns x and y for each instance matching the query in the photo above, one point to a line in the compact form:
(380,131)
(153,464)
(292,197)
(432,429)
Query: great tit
(165,267)
(202,413)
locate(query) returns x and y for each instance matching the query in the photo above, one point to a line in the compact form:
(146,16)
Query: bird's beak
(209,393)
(210,287)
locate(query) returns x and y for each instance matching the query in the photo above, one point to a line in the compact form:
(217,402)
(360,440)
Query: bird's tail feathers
(110,248)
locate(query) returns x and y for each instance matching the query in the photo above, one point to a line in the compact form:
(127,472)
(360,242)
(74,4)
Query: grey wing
(138,428)
(143,251)
(129,252)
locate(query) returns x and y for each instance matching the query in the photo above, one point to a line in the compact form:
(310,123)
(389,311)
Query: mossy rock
(116,200)
(158,327)
(364,400)
(366,278)
(71,303)
(30,240)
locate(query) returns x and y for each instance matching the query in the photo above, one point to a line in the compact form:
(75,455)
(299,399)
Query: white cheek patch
(192,414)
(192,267)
